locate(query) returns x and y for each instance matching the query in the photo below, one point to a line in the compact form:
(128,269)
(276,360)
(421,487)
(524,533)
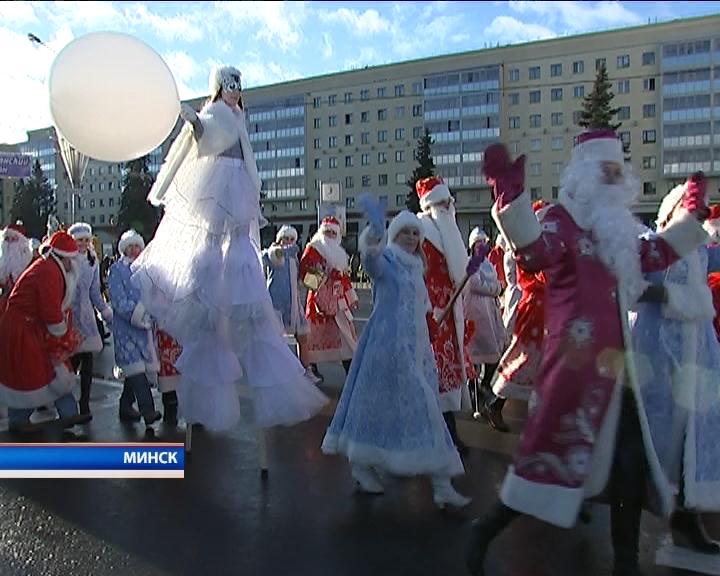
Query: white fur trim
(600,150)
(58,330)
(438,194)
(684,233)
(690,302)
(276,256)
(405,219)
(712,227)
(91,344)
(330,227)
(168,383)
(518,222)
(137,316)
(669,203)
(61,384)
(430,231)
(130,238)
(286,231)
(10,233)
(80,230)
(476,234)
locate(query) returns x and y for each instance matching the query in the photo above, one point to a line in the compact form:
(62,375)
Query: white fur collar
(71,280)
(410,261)
(334,254)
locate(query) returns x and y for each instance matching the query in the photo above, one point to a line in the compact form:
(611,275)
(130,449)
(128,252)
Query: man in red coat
(446,256)
(331,298)
(712,227)
(15,256)
(36,338)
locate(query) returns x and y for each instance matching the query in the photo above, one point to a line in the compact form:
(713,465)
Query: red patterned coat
(332,335)
(168,352)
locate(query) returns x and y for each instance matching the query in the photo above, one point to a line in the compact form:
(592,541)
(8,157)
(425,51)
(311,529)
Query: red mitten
(506,178)
(694,200)
(496,161)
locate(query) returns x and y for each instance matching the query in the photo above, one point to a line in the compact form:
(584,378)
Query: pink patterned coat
(566,449)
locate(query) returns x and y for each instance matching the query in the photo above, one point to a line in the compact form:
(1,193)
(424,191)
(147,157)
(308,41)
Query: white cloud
(184,27)
(509,30)
(277,23)
(327,46)
(17,13)
(368,56)
(88,15)
(257,71)
(579,16)
(367,23)
(188,73)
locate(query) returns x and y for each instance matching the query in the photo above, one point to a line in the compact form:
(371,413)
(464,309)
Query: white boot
(366,479)
(444,494)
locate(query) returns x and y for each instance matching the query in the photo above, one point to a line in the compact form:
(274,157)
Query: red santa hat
(712,224)
(432,191)
(331,223)
(599,146)
(80,230)
(61,244)
(16,231)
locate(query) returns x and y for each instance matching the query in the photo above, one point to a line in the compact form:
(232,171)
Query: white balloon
(112,96)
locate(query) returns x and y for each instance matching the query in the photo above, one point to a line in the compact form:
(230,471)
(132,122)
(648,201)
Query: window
(578,67)
(399,156)
(365,181)
(534,96)
(556,119)
(577,116)
(514,75)
(623,113)
(332,99)
(399,178)
(316,102)
(381,92)
(365,138)
(555,192)
(579,92)
(648,58)
(382,114)
(365,159)
(110,169)
(555,69)
(535,144)
(110,184)
(399,198)
(333,162)
(289,206)
(332,141)
(557,143)
(318,163)
(399,90)
(535,169)
(382,180)
(348,161)
(349,140)
(317,184)
(417,132)
(111,202)
(316,143)
(364,94)
(648,188)
(535,120)
(349,201)
(623,61)
(556,94)
(348,97)
(648,110)
(92,203)
(273,207)
(303,204)
(101,203)
(348,119)
(417,110)
(92,219)
(599,63)
(349,183)
(514,99)
(399,111)
(382,158)
(382,135)
(364,117)
(649,84)
(399,133)
(514,121)
(649,162)
(91,188)
(515,148)
(557,168)
(101,170)
(623,86)
(534,73)
(649,136)
(535,193)
(625,138)
(332,120)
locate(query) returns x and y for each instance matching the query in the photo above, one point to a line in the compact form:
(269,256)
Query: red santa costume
(324,269)
(168,352)
(36,335)
(15,256)
(712,227)
(446,258)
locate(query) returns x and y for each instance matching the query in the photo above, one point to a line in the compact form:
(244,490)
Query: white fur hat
(286,232)
(225,77)
(668,204)
(80,230)
(477,234)
(130,238)
(598,145)
(330,223)
(404,219)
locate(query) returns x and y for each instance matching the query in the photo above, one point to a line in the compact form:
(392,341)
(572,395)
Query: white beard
(453,245)
(331,250)
(14,258)
(604,210)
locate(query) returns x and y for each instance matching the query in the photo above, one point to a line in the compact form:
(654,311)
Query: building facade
(359,129)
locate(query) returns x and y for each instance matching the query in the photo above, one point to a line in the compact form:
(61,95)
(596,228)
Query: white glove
(187,113)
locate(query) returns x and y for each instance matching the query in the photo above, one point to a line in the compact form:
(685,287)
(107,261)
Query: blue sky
(276,41)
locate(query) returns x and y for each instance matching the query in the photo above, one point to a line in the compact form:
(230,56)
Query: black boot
(128,414)
(452,428)
(492,412)
(484,532)
(170,408)
(86,369)
(625,530)
(688,532)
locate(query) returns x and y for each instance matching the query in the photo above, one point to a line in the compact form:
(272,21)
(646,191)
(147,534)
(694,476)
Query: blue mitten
(375,214)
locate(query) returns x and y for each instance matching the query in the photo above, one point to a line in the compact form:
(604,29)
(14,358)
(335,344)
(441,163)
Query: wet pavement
(303,520)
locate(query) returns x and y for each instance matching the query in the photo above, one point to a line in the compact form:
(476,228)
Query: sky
(277,41)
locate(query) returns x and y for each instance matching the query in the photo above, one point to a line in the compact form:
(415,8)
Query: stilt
(262,454)
(188,438)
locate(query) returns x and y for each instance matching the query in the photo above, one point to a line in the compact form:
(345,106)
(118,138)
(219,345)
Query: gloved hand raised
(479,253)
(694,200)
(374,213)
(507,178)
(187,113)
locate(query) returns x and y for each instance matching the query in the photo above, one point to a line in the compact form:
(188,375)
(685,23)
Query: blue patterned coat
(134,346)
(282,283)
(87,299)
(678,366)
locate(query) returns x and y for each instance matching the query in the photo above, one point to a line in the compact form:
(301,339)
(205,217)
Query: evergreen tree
(597,111)
(135,211)
(34,202)
(424,169)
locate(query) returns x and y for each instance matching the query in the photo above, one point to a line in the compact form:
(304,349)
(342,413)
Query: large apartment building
(359,128)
